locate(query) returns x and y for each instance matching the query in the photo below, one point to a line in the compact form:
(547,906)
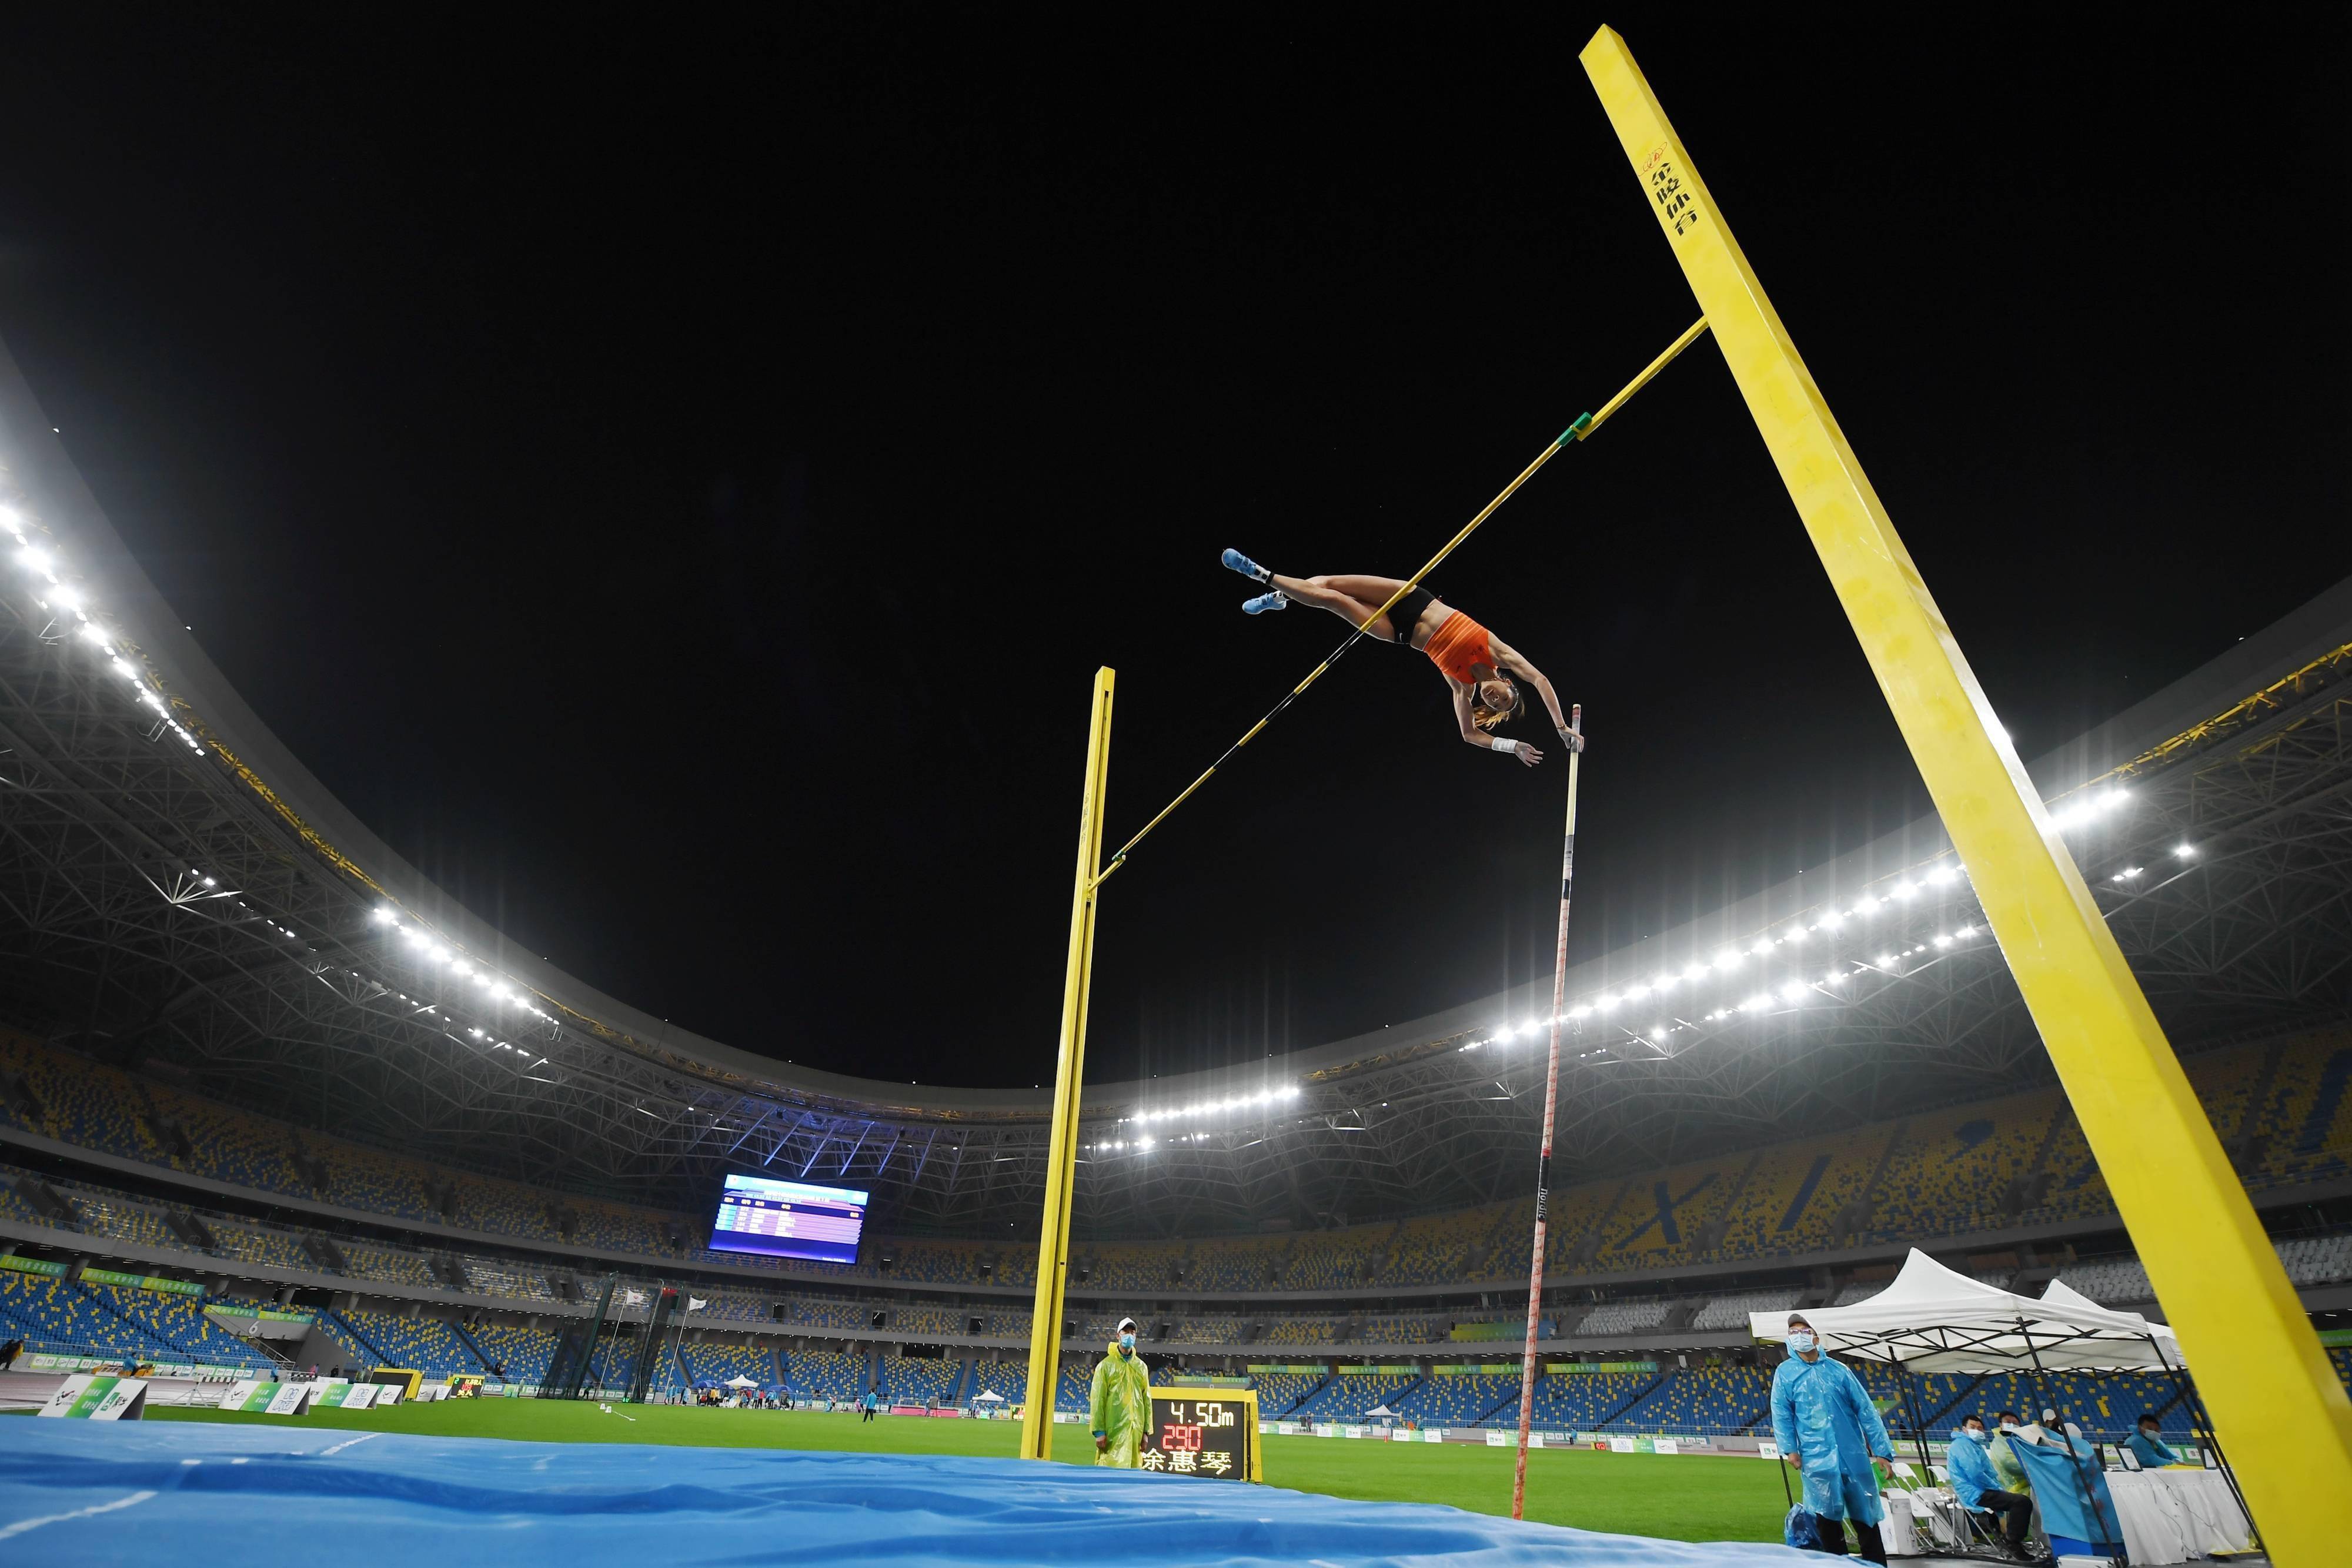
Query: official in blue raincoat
(1827,1426)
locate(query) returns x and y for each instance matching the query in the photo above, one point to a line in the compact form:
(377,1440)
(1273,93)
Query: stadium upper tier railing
(2282,1106)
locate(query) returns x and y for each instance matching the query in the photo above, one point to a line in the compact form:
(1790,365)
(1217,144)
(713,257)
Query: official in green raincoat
(1120,1403)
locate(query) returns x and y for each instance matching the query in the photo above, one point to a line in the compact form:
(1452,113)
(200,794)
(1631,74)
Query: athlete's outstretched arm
(1473,736)
(1511,659)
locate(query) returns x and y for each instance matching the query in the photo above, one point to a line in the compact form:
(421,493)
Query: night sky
(674,477)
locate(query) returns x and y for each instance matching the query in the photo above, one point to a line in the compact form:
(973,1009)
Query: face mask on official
(1978,1433)
(1127,1336)
(1800,1340)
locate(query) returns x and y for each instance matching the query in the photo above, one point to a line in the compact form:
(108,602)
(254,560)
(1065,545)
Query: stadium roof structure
(180,894)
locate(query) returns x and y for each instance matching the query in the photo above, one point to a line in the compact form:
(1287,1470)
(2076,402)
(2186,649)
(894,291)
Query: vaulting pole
(2268,1383)
(1551,1109)
(1062,1151)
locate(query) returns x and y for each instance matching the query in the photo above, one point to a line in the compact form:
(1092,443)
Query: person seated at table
(1979,1489)
(2152,1451)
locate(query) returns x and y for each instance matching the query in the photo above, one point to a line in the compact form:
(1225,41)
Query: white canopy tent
(739,1381)
(990,1398)
(1934,1320)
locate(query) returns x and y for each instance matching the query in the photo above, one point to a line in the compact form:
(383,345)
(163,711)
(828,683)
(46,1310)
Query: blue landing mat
(187,1493)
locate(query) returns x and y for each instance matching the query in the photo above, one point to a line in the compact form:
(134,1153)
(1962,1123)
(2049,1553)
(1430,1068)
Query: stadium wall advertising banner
(1213,1439)
(789,1219)
(47,1360)
(142,1283)
(34,1265)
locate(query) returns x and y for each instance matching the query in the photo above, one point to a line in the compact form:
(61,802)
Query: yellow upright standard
(1062,1151)
(2275,1402)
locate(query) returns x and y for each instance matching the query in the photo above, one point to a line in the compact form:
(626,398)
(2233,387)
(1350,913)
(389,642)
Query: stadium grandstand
(269,1097)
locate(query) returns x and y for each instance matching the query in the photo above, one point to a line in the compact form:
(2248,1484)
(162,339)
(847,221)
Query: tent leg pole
(1909,1385)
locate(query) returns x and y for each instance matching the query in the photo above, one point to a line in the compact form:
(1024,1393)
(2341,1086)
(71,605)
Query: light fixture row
(71,609)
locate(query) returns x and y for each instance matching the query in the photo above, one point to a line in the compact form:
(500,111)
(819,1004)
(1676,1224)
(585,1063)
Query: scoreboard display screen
(1203,1432)
(789,1219)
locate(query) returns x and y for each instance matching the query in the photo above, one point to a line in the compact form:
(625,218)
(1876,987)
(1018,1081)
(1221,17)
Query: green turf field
(1687,1499)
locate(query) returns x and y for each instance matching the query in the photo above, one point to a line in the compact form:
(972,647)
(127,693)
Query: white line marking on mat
(22,1525)
(350,1443)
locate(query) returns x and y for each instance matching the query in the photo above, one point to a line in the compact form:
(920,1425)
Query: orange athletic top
(1458,646)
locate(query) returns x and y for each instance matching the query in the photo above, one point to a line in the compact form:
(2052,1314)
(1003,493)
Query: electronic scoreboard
(1210,1432)
(789,1219)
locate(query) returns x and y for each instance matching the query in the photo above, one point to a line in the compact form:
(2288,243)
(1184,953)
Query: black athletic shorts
(1405,614)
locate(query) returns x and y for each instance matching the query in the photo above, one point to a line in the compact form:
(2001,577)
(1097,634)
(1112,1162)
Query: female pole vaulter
(1477,664)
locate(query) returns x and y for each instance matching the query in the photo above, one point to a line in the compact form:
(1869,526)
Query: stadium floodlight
(1945,876)
(33,559)
(1604,1003)
(1759,1002)
(2187,852)
(1657,1031)
(1582,1009)
(66,595)
(2129,873)
(1906,890)
(1727,959)
(1833,920)
(1636,992)
(1886,960)
(1694,972)
(1965,932)
(1943,939)
(1793,991)
(1834,977)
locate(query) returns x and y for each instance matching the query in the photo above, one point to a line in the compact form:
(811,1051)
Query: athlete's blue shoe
(1263,603)
(1236,561)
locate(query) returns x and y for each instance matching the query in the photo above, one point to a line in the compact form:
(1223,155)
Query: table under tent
(1933,1320)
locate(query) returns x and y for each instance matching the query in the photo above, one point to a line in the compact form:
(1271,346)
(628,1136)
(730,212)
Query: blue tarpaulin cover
(2062,1469)
(190,1493)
